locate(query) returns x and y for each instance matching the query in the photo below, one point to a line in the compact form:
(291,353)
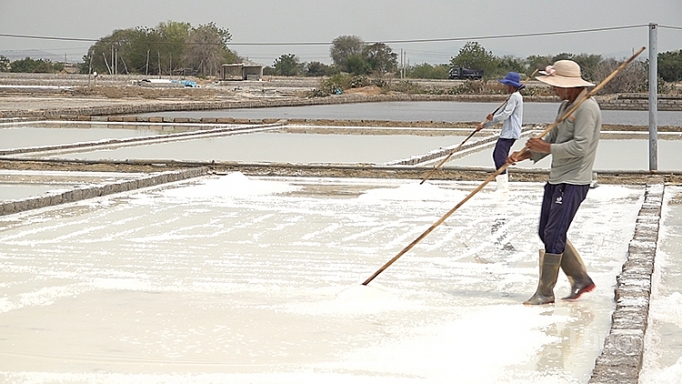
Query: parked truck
(465,73)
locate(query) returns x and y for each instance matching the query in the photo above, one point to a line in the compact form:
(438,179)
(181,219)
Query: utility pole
(146,66)
(105,63)
(653,96)
(403,63)
(89,70)
(402,68)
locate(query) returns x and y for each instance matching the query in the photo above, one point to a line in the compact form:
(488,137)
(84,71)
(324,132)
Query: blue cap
(512,79)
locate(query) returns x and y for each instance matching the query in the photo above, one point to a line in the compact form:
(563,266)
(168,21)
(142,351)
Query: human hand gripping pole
(502,168)
(445,160)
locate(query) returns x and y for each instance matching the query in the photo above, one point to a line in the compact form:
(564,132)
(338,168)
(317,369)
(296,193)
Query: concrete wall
(640,102)
(621,358)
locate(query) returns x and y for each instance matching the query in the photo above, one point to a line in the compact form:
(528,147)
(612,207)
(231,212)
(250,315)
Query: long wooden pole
(445,160)
(502,168)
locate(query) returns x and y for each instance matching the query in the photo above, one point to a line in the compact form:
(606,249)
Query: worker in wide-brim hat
(511,117)
(573,146)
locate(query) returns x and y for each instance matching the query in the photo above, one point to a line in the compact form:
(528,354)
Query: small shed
(242,72)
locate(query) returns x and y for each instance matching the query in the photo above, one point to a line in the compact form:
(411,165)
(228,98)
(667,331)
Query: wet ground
(534,113)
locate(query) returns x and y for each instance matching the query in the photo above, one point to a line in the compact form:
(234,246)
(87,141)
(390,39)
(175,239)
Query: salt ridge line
(143,140)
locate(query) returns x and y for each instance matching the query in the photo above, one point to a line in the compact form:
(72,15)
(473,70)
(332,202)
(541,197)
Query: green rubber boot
(549,272)
(575,270)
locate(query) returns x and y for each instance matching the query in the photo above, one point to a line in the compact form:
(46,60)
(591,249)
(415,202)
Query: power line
(49,37)
(489,37)
(669,27)
(466,38)
(516,35)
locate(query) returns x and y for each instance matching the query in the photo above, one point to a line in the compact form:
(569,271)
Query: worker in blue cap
(511,117)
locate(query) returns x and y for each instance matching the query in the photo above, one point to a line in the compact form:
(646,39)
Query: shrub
(407,87)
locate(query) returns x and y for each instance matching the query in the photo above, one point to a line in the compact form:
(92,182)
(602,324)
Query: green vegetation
(670,66)
(427,71)
(473,55)
(4,64)
(178,48)
(317,69)
(171,47)
(352,55)
(288,65)
(29,65)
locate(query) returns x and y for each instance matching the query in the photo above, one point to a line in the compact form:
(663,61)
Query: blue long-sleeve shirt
(511,116)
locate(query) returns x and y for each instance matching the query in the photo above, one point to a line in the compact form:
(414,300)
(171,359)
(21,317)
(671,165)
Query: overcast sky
(304,21)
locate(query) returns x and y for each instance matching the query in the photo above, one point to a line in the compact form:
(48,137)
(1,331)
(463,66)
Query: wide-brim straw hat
(563,74)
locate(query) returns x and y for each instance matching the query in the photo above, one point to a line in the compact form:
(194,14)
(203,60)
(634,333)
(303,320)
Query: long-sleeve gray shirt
(574,143)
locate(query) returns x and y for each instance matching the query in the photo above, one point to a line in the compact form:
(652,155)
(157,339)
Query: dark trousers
(559,206)
(501,152)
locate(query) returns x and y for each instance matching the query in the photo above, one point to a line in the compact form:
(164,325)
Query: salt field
(235,279)
(614,154)
(617,151)
(534,113)
(18,185)
(277,147)
(45,133)
(251,279)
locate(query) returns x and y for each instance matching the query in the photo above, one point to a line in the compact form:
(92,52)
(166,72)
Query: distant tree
(109,53)
(534,62)
(287,65)
(588,65)
(509,63)
(357,65)
(345,47)
(381,58)
(174,36)
(670,66)
(268,71)
(29,65)
(317,69)
(207,49)
(136,50)
(4,64)
(562,56)
(633,78)
(427,71)
(170,47)
(473,55)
